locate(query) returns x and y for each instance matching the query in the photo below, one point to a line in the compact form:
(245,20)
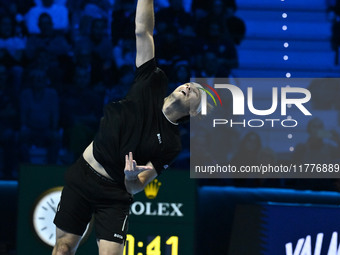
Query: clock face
(43,216)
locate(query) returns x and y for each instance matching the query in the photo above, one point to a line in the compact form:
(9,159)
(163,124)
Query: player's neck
(170,112)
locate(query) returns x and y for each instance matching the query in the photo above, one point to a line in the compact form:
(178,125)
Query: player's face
(188,96)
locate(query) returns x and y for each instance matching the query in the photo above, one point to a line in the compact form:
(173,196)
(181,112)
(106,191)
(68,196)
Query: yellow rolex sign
(168,207)
(151,190)
(162,217)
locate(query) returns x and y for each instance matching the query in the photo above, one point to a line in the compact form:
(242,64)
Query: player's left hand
(131,169)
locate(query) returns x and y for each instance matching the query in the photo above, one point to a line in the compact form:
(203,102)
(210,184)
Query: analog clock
(44,211)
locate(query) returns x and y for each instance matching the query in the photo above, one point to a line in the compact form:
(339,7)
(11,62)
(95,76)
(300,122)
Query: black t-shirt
(136,124)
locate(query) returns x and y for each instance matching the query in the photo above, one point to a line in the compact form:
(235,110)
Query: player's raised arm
(145,23)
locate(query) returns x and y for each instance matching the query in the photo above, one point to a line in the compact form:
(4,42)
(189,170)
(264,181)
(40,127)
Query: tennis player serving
(141,128)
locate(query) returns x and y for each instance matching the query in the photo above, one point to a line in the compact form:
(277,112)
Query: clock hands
(54,210)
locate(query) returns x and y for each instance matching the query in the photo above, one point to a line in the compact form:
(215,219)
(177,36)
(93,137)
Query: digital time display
(152,247)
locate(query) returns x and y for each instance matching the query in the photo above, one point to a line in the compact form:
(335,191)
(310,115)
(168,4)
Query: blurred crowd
(62,61)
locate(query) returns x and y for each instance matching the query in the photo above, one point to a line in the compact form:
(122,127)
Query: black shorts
(87,193)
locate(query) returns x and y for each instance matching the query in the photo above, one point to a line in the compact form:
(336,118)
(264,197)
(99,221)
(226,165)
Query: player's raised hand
(131,169)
